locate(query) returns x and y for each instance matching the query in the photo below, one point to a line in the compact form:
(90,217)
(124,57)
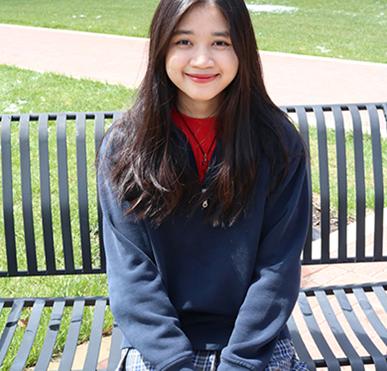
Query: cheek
(174,64)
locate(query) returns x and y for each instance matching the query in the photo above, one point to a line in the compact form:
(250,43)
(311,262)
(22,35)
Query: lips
(202,77)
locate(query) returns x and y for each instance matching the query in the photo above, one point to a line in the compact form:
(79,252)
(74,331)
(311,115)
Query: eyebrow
(187,32)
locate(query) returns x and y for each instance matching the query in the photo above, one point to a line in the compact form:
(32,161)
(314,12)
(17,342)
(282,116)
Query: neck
(197,109)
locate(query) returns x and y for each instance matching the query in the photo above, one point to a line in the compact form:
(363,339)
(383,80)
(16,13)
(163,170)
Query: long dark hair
(146,168)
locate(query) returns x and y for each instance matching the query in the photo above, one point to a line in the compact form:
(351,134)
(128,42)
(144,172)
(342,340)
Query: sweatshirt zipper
(193,163)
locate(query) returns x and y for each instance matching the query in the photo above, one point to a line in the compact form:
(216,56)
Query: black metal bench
(51,220)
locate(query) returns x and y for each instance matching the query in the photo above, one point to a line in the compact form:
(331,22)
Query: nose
(202,58)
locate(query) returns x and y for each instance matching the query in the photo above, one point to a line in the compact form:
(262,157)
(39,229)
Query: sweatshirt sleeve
(273,292)
(138,298)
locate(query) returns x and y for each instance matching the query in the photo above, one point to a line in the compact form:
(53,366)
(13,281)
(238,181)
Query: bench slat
(115,351)
(51,335)
(324,181)
(10,328)
(45,194)
(64,193)
(304,131)
(6,177)
(359,181)
(72,336)
(25,174)
(83,209)
(342,181)
(29,336)
(91,360)
(382,296)
(99,130)
(378,181)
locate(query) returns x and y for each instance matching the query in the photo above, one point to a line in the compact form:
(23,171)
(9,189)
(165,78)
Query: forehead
(203,17)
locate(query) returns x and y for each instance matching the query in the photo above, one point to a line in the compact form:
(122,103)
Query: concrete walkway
(290,79)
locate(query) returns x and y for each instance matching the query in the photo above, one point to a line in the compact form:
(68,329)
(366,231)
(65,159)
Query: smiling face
(201,60)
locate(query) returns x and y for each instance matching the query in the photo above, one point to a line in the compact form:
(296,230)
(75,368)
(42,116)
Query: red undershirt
(204,130)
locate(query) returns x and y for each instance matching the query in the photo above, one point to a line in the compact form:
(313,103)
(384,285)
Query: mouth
(202,78)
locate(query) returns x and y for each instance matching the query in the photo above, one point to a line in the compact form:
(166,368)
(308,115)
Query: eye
(183,42)
(222,44)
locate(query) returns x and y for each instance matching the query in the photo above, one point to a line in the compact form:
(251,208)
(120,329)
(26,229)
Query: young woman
(205,198)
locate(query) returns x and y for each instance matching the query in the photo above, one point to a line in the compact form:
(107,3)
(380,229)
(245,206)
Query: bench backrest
(51,220)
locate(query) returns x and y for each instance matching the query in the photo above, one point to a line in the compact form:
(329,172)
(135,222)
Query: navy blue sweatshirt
(187,286)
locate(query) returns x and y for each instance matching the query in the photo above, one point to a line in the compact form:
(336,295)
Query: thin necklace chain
(205,155)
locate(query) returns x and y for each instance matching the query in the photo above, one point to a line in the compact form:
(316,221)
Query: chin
(200,97)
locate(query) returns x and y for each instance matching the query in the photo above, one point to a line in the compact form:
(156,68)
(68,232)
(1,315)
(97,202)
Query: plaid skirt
(283,359)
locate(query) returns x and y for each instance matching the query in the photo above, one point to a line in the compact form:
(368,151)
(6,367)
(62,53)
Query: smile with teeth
(202,78)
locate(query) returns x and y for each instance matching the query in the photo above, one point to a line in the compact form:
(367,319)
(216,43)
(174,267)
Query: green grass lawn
(25,91)
(350,29)
(31,91)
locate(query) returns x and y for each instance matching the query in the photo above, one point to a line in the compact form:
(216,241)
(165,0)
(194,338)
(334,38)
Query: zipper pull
(205,202)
